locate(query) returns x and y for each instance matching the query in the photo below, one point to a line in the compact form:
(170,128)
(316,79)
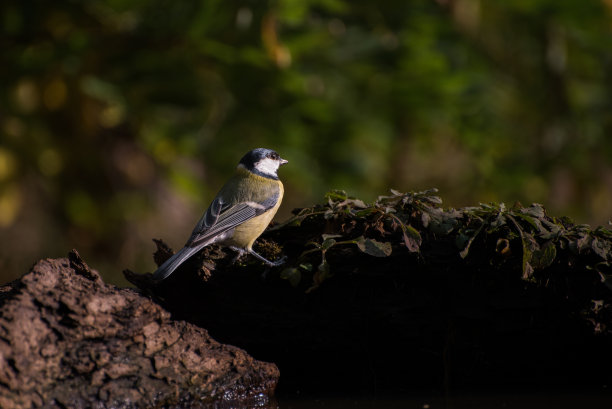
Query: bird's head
(261,161)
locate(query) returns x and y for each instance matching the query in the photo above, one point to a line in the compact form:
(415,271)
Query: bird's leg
(240,253)
(266,261)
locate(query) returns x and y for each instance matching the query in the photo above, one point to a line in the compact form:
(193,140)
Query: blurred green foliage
(120,119)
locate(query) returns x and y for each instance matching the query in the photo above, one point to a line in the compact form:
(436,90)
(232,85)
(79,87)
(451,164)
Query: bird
(239,213)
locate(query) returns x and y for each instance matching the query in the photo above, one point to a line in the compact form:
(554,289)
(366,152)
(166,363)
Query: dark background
(120,119)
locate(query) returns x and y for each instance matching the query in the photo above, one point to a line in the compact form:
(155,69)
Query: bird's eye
(274,156)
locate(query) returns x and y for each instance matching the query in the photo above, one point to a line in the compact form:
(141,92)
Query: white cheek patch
(267,166)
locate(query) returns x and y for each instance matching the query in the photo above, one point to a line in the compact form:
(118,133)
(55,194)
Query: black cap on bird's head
(263,162)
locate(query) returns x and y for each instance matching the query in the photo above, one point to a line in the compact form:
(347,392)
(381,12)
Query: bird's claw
(278,262)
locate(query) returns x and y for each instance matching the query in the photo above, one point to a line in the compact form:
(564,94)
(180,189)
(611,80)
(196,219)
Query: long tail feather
(174,262)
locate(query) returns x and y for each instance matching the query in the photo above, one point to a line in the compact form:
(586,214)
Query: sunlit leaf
(365,212)
(425,219)
(433,199)
(373,247)
(327,244)
(306,266)
(357,203)
(412,238)
(536,210)
(330,236)
(329,214)
(336,195)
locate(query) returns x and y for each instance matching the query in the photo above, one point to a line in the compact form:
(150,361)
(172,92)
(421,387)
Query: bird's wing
(222,217)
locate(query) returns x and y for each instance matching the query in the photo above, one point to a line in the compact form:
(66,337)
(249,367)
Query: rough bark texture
(67,339)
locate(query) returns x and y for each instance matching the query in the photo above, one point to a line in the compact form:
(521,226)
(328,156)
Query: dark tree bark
(67,339)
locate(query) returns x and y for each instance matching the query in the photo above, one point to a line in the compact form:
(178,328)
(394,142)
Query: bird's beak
(283,161)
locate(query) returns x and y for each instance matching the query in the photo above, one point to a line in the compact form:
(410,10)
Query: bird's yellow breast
(245,234)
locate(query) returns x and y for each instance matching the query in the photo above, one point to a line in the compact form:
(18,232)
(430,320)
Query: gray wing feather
(211,216)
(230,218)
(218,219)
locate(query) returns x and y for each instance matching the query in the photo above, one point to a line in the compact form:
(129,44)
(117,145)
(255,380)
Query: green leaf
(365,212)
(549,230)
(336,195)
(292,275)
(306,266)
(373,247)
(545,256)
(412,238)
(499,221)
(583,243)
(323,273)
(601,248)
(327,244)
(357,203)
(532,222)
(433,199)
(330,236)
(602,231)
(529,246)
(441,222)
(463,253)
(425,219)
(536,210)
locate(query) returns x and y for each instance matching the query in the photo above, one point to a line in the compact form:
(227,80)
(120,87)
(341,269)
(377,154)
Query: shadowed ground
(403,295)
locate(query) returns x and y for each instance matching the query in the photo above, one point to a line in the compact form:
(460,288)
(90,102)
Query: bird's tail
(174,262)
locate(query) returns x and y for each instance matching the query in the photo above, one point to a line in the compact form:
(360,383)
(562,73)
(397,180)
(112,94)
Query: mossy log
(403,294)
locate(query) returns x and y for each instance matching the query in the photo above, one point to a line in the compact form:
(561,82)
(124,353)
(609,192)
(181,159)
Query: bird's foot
(240,252)
(267,262)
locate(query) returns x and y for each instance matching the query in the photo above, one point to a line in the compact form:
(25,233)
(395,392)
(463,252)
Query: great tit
(240,212)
